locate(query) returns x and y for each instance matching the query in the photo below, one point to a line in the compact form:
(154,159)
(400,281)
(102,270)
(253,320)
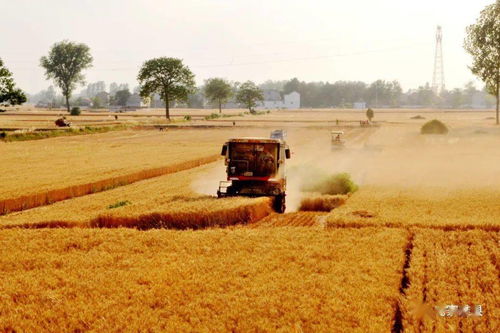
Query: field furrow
(452,268)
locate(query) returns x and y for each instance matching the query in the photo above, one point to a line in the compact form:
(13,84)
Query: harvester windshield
(253,159)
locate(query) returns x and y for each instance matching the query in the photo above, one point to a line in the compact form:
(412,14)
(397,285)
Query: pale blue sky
(315,40)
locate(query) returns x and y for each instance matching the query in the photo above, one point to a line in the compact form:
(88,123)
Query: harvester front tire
(279,204)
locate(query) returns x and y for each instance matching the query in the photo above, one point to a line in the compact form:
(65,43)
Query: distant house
(292,100)
(274,100)
(359,105)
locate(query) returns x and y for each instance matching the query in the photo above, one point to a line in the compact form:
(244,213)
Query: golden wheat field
(216,280)
(145,204)
(421,230)
(423,207)
(459,268)
(44,171)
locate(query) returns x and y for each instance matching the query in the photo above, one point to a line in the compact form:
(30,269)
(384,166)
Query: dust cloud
(392,156)
(208,181)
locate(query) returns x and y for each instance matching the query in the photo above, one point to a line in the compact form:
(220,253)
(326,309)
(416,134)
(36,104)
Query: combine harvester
(256,168)
(337,141)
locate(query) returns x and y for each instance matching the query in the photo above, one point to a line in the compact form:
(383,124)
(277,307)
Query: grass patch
(434,127)
(222,115)
(56,133)
(119,204)
(212,116)
(257,113)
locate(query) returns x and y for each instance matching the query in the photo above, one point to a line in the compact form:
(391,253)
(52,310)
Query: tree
(64,64)
(121,97)
(273,85)
(383,92)
(292,85)
(249,94)
(456,98)
(218,91)
(168,77)
(96,102)
(370,114)
(195,99)
(483,43)
(9,94)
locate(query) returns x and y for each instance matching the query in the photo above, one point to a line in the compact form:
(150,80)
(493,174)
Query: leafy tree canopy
(483,43)
(9,94)
(121,97)
(218,91)
(169,78)
(65,63)
(249,94)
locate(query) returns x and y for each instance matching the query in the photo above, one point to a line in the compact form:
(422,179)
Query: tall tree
(168,77)
(9,94)
(249,94)
(483,43)
(218,91)
(121,97)
(65,63)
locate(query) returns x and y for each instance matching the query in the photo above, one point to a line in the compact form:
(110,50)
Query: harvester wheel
(279,203)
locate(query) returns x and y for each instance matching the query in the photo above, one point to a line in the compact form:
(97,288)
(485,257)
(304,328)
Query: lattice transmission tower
(438,76)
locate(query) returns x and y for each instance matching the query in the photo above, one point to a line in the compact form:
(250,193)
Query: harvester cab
(337,140)
(255,167)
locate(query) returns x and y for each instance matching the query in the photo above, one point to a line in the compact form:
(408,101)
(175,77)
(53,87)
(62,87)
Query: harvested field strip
(452,268)
(296,219)
(52,164)
(165,201)
(282,279)
(49,197)
(242,213)
(435,208)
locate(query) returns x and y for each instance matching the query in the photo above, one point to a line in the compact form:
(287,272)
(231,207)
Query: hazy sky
(315,40)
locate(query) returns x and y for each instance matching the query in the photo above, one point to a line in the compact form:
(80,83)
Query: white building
(292,100)
(359,105)
(273,100)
